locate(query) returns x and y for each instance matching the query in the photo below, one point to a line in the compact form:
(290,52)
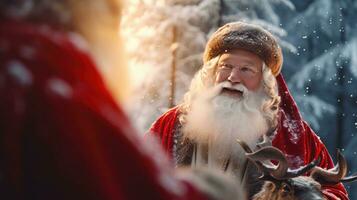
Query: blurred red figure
(62,135)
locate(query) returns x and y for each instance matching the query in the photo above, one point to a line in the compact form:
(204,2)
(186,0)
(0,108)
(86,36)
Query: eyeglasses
(244,70)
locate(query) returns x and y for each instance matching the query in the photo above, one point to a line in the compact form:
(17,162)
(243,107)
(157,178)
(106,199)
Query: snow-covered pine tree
(324,71)
(325,40)
(153,30)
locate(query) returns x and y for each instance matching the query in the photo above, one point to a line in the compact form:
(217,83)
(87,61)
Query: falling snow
(60,87)
(293,128)
(19,72)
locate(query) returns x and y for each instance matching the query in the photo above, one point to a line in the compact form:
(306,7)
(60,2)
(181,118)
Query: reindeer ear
(270,186)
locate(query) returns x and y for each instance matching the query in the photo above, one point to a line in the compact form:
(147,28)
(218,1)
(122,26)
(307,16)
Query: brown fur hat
(253,38)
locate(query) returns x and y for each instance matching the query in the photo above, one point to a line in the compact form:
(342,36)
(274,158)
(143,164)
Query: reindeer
(281,182)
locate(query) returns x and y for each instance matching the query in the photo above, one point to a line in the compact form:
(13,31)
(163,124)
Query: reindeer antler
(333,175)
(267,154)
(269,170)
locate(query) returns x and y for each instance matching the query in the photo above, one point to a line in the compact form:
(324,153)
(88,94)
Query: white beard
(216,121)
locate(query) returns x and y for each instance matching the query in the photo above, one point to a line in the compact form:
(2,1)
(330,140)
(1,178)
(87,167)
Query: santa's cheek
(252,85)
(221,77)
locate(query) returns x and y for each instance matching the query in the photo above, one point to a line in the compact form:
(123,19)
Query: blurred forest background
(166,38)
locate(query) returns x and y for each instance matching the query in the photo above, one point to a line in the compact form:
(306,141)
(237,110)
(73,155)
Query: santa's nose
(235,76)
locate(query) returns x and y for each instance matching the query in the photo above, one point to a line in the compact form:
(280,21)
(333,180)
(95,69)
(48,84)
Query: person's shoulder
(44,44)
(48,55)
(40,62)
(172,112)
(166,121)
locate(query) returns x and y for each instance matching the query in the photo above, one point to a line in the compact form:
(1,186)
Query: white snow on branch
(314,108)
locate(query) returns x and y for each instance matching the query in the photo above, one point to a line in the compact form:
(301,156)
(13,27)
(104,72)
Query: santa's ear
(209,70)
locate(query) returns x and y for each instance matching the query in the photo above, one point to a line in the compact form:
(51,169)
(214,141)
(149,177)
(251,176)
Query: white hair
(215,120)
(205,78)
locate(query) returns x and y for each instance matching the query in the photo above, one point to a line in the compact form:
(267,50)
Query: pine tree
(161,34)
(324,71)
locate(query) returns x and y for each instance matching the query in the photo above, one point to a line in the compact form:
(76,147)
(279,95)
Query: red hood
(291,130)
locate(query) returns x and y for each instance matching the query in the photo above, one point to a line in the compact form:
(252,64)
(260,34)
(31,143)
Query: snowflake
(19,71)
(60,87)
(294,161)
(293,129)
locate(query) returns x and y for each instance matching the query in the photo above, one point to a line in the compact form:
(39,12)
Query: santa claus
(239,94)
(62,134)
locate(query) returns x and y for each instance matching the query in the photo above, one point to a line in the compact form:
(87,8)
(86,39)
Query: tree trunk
(173,68)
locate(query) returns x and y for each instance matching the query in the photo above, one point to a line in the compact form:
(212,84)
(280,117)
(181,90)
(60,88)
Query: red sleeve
(163,129)
(316,148)
(62,134)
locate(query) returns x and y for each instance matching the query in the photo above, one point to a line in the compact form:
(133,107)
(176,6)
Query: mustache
(228,85)
(211,93)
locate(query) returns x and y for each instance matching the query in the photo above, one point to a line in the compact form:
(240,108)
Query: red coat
(294,137)
(62,136)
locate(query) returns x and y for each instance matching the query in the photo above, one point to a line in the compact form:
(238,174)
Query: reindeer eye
(286,189)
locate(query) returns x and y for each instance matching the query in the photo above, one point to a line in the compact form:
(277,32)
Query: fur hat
(253,38)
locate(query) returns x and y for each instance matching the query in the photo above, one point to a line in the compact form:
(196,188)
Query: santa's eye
(245,69)
(225,67)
